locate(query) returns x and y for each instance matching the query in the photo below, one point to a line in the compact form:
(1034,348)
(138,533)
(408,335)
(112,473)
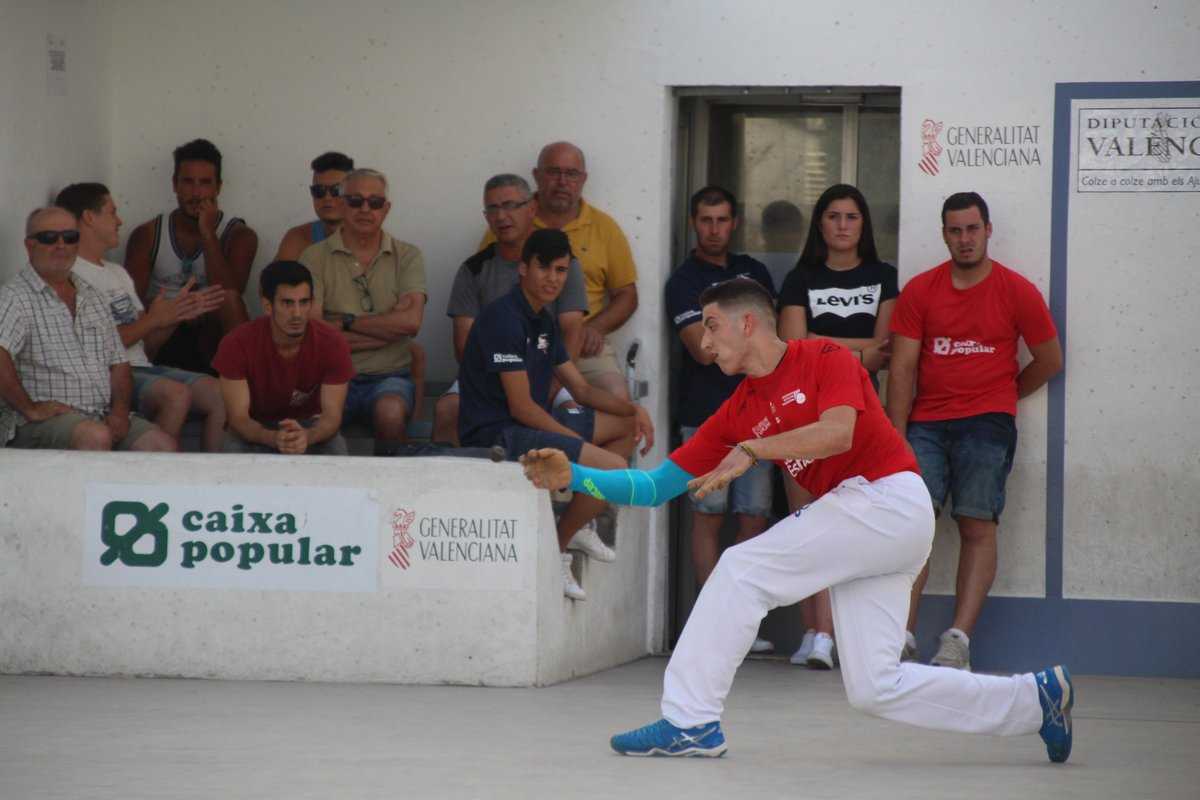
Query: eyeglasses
(365,302)
(319,190)
(52,237)
(508,206)
(374,201)
(558,173)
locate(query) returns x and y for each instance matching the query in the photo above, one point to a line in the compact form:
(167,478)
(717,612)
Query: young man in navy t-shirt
(513,350)
(703,386)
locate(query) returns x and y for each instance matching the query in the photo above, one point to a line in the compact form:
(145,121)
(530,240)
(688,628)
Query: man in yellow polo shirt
(609,274)
(371,286)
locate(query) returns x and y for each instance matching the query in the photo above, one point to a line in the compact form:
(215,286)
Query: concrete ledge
(436,570)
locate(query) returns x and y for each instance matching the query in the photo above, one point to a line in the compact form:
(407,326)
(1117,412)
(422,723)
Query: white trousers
(866,541)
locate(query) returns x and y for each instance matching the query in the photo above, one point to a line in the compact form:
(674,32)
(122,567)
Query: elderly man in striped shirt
(65,380)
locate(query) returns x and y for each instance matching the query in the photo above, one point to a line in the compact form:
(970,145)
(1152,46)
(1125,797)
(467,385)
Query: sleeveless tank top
(318,231)
(172,267)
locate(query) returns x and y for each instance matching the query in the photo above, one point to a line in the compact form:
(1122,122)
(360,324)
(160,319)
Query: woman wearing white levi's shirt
(839,290)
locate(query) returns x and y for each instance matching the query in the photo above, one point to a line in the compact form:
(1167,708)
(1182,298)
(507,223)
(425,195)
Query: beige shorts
(55,433)
(603,364)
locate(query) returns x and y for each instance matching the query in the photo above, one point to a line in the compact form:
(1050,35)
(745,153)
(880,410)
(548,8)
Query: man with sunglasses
(329,169)
(65,380)
(371,286)
(200,242)
(603,251)
(163,394)
(491,273)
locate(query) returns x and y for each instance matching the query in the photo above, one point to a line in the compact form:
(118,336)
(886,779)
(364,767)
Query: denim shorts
(364,390)
(519,440)
(145,377)
(967,458)
(750,491)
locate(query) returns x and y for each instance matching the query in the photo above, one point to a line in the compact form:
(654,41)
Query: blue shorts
(968,458)
(750,491)
(364,390)
(145,377)
(518,440)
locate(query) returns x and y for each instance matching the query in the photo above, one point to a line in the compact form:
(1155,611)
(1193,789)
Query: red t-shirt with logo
(284,388)
(968,363)
(814,376)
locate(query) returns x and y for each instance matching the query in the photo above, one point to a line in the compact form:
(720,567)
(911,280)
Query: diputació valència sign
(1148,148)
(302,538)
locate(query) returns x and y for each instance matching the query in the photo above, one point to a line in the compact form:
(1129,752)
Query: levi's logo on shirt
(945,346)
(845,302)
(299,398)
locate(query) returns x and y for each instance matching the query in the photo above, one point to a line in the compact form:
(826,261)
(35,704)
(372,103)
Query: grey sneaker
(824,652)
(953,652)
(909,653)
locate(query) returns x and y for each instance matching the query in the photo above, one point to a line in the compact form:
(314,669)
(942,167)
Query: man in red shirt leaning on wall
(283,375)
(808,405)
(954,334)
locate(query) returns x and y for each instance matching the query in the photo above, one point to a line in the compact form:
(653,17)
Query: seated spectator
(329,169)
(491,274)
(163,394)
(513,349)
(195,242)
(610,276)
(64,375)
(954,340)
(371,285)
(838,290)
(284,375)
(705,387)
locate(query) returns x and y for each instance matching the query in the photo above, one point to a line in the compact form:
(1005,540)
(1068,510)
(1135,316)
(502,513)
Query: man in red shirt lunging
(954,334)
(808,406)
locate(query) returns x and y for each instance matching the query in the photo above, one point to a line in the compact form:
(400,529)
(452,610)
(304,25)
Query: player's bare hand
(548,468)
(732,466)
(40,412)
(876,355)
(644,429)
(208,215)
(291,438)
(593,342)
(118,426)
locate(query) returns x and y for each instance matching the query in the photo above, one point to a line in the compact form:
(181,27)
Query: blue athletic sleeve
(631,487)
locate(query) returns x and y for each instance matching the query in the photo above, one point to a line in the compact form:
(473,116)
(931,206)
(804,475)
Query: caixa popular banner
(245,537)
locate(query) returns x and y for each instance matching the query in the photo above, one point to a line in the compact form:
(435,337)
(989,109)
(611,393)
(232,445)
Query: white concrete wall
(47,139)
(442,95)
(444,620)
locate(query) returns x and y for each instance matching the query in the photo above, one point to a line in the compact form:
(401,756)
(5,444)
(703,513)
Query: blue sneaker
(664,739)
(1057,696)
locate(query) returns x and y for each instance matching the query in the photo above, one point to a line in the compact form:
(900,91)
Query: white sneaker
(822,656)
(571,587)
(586,540)
(954,651)
(761,646)
(800,657)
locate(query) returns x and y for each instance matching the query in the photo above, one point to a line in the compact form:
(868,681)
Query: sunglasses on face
(319,190)
(374,201)
(52,237)
(366,302)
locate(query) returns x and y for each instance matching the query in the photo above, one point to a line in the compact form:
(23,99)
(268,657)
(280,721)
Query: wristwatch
(347,321)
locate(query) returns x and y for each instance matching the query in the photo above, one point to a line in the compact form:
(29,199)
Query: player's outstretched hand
(547,468)
(731,466)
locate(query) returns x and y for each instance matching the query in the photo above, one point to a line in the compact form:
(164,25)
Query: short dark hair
(283,273)
(740,292)
(961,201)
(548,244)
(197,150)
(816,250)
(714,196)
(332,160)
(80,197)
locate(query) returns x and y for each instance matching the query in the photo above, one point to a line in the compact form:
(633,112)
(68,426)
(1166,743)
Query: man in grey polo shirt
(492,273)
(65,380)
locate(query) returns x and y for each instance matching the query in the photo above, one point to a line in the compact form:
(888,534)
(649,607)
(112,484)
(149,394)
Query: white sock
(957,634)
(910,639)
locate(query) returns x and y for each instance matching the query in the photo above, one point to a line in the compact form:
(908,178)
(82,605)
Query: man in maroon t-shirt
(954,333)
(284,376)
(808,406)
